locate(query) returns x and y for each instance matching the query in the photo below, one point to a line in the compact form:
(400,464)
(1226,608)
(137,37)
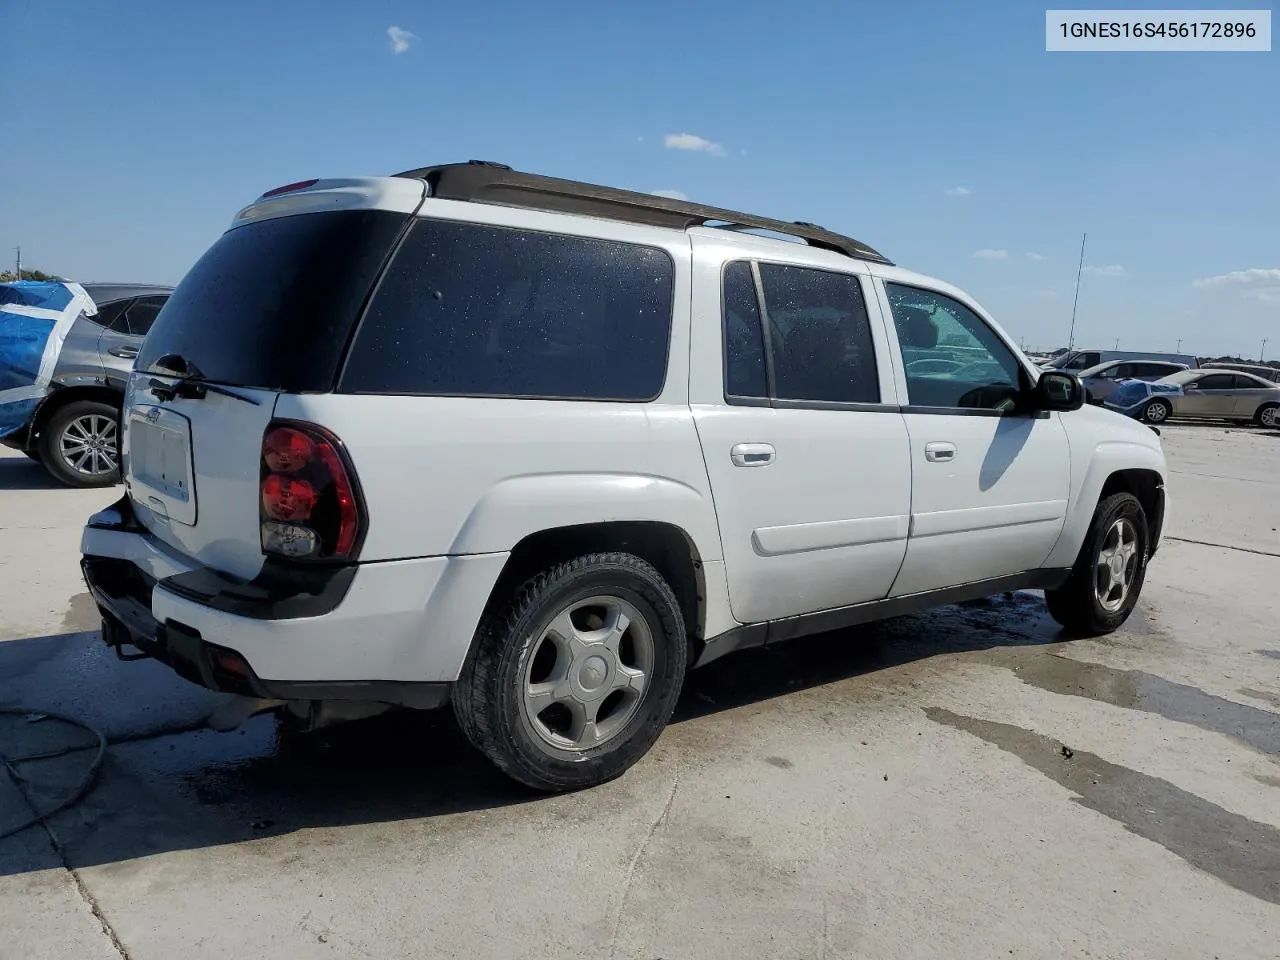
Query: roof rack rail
(481,181)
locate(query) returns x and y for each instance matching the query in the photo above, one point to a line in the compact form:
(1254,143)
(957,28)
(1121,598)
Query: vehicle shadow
(168,785)
(18,472)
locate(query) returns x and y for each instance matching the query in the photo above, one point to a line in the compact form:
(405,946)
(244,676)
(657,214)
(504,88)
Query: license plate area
(160,468)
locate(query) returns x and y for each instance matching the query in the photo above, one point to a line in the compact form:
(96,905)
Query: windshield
(271,304)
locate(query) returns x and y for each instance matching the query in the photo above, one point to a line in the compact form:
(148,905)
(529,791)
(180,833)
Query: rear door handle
(752,454)
(124,353)
(939,452)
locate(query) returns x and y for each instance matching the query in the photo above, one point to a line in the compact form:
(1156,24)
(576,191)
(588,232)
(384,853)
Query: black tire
(489,697)
(1163,410)
(50,443)
(1266,412)
(1076,604)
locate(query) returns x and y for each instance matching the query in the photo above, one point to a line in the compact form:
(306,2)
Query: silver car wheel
(1116,564)
(88,445)
(586,675)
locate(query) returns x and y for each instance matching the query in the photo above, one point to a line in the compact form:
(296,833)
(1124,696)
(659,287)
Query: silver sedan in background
(1210,394)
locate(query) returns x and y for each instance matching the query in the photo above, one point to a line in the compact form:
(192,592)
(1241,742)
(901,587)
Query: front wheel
(80,445)
(571,681)
(1109,571)
(1267,415)
(1156,411)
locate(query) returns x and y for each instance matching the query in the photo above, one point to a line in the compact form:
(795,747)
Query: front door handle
(939,452)
(752,454)
(124,353)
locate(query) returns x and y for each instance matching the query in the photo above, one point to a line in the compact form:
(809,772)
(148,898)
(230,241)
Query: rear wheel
(1267,415)
(80,444)
(571,681)
(1109,572)
(1156,411)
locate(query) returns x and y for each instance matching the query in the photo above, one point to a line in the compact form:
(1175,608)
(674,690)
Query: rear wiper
(192,385)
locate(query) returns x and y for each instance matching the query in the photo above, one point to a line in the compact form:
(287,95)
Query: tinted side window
(1217,381)
(108,314)
(1247,383)
(141,315)
(744,371)
(819,336)
(1154,371)
(952,358)
(471,310)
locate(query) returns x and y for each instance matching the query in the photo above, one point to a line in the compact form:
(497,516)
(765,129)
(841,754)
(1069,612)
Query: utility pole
(1262,354)
(1178,348)
(17,274)
(1071,338)
(1117,346)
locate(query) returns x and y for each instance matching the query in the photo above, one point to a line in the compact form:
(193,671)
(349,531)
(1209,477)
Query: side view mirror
(1191,386)
(1056,390)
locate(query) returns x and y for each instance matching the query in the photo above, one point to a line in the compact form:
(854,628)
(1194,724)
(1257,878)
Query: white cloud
(670,194)
(991,254)
(1112,270)
(400,39)
(958,192)
(693,142)
(1240,277)
(1264,294)
(1035,256)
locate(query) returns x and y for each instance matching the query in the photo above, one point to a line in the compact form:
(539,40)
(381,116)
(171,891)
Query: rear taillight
(308,504)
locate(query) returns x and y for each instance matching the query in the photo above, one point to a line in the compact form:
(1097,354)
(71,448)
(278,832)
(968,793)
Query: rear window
(473,310)
(271,304)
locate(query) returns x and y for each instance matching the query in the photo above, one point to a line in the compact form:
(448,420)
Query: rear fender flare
(519,506)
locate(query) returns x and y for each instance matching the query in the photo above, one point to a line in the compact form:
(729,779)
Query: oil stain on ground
(82,614)
(1238,851)
(1138,690)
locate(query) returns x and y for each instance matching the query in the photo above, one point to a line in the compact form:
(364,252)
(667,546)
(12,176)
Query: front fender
(519,506)
(1108,457)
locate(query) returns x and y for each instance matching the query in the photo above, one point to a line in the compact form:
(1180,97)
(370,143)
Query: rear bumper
(392,632)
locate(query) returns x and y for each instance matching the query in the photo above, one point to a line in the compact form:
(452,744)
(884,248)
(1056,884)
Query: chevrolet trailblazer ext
(538,448)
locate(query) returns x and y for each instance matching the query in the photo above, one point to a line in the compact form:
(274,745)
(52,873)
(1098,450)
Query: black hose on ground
(86,780)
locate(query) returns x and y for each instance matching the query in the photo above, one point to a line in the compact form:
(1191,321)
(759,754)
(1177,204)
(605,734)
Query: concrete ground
(956,784)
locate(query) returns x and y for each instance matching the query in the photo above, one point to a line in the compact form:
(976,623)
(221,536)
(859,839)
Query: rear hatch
(269,309)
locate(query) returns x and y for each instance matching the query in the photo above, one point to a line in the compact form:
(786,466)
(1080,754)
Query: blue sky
(941,133)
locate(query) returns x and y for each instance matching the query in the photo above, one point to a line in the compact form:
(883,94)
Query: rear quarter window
(272,303)
(473,310)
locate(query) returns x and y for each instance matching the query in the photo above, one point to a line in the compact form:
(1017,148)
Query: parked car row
(70,422)
(1205,394)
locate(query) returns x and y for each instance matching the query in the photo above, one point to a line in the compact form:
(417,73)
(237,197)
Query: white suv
(539,447)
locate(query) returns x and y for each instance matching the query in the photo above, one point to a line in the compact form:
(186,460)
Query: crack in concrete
(1224,546)
(82,889)
(631,867)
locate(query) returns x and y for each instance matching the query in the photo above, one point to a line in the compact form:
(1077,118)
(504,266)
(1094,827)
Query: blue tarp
(1129,393)
(34,320)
